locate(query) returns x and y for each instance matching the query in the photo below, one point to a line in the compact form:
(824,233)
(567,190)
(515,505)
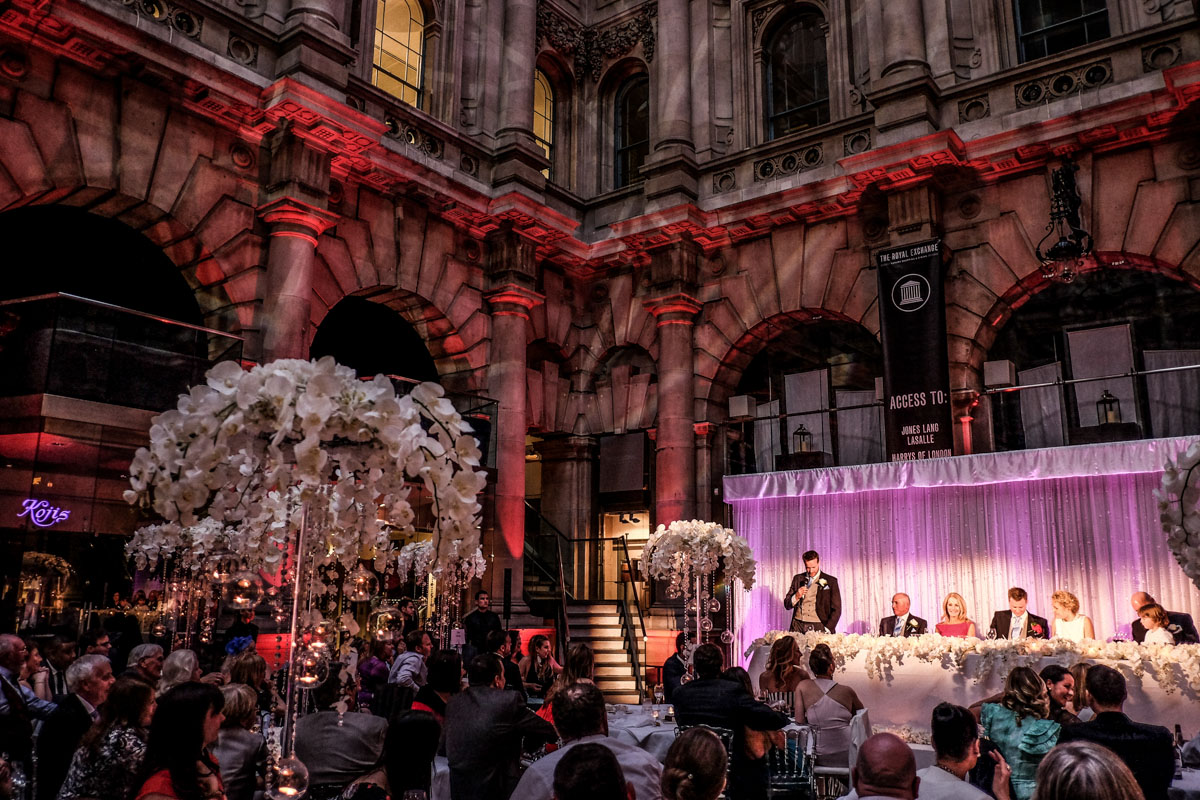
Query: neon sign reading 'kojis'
(42,513)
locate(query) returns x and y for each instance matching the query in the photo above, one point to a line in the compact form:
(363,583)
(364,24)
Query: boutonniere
(1174,628)
(1036,628)
(912,623)
(823,583)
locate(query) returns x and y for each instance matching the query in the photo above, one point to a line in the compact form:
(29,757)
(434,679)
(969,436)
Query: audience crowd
(77,724)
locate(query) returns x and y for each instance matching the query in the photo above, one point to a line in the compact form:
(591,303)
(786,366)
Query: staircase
(598,622)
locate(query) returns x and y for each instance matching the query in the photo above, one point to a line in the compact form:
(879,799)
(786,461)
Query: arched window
(399,49)
(797,84)
(1046,27)
(632,129)
(543,117)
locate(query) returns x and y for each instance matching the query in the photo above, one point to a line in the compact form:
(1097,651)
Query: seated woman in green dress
(1018,725)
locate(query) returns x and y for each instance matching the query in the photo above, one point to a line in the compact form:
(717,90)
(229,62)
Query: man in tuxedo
(673,670)
(1179,625)
(88,680)
(714,701)
(1148,750)
(1017,622)
(814,598)
(60,652)
(483,733)
(902,623)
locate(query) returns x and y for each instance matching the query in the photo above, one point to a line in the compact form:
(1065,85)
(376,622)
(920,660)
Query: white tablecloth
(1187,787)
(907,693)
(638,728)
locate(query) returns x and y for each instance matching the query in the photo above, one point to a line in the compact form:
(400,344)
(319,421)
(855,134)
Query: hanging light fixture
(1066,242)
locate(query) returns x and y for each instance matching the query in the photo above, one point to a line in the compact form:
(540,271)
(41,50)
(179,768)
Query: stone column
(904,37)
(673,79)
(294,227)
(704,432)
(510,304)
(675,461)
(518,48)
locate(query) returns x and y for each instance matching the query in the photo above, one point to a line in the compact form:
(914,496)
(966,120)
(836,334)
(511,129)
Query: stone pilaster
(294,227)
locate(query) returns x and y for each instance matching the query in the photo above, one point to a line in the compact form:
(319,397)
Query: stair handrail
(562,626)
(626,588)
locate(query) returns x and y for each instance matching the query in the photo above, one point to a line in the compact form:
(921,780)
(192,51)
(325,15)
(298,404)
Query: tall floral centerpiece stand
(297,472)
(687,554)
(1179,509)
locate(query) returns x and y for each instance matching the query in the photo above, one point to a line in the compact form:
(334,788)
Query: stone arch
(127,151)
(548,386)
(624,390)
(393,348)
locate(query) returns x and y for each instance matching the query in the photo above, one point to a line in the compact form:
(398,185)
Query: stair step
(618,671)
(624,698)
(613,657)
(589,633)
(594,620)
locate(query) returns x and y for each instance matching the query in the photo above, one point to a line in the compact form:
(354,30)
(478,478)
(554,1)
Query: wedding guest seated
(580,718)
(902,622)
(240,752)
(955,737)
(580,666)
(539,668)
(335,743)
(18,704)
(711,700)
(1018,725)
(674,669)
(1148,750)
(250,668)
(695,766)
(1081,703)
(886,767)
(1155,620)
(758,743)
(1017,622)
(954,620)
(1060,687)
(88,680)
(408,751)
(186,724)
(408,668)
(95,642)
(145,664)
(783,672)
(444,681)
(109,758)
(1068,622)
(497,644)
(827,706)
(485,729)
(591,772)
(35,676)
(1180,625)
(373,671)
(181,666)
(1084,771)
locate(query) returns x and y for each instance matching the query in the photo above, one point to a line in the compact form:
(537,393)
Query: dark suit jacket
(914,627)
(483,733)
(1002,623)
(56,744)
(1187,628)
(672,676)
(829,598)
(1148,750)
(512,679)
(725,704)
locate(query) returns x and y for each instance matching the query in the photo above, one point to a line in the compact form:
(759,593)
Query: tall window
(399,45)
(1046,27)
(797,82)
(632,128)
(543,117)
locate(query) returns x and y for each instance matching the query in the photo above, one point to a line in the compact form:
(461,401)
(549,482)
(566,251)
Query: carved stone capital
(674,309)
(513,300)
(287,216)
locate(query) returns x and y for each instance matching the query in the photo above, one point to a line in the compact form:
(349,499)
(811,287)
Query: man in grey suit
(484,729)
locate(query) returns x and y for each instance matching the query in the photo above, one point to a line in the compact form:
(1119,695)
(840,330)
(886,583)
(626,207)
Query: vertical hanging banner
(916,366)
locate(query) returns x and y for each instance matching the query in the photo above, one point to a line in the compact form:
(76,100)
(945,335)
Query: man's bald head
(886,768)
(1140,599)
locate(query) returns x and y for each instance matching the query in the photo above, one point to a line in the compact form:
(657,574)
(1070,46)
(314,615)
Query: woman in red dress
(178,765)
(954,618)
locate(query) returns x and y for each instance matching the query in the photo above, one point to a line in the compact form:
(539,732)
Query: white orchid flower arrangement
(231,467)
(688,549)
(1179,509)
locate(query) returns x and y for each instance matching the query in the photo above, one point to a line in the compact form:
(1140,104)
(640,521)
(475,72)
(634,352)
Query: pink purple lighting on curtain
(1096,536)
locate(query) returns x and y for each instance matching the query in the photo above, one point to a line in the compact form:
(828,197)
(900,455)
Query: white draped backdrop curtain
(1082,519)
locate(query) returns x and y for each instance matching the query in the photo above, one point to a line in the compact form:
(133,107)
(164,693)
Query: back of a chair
(780,701)
(725,735)
(860,731)
(792,762)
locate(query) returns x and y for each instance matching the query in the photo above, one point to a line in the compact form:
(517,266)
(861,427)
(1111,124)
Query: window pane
(543,115)
(633,129)
(1047,27)
(399,46)
(797,81)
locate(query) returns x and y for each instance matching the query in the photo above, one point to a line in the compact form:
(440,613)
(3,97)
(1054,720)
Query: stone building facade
(600,214)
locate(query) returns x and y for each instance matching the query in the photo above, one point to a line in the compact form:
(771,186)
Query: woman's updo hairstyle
(695,766)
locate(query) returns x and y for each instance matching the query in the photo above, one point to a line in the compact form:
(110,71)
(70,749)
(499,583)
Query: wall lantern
(1108,409)
(1062,249)
(802,440)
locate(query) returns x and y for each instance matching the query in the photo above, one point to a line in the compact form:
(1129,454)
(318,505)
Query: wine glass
(658,694)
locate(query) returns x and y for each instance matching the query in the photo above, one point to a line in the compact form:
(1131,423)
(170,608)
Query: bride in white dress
(1068,622)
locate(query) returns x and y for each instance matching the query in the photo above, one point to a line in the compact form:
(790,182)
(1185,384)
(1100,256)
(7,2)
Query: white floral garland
(698,548)
(230,468)
(1179,509)
(46,562)
(882,653)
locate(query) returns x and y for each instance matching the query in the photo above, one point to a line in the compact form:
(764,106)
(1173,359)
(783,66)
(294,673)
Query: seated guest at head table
(1017,622)
(954,618)
(1155,620)
(1068,622)
(902,622)
(1181,626)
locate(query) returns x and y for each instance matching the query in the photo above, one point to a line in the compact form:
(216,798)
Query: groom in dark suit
(902,623)
(1017,622)
(814,598)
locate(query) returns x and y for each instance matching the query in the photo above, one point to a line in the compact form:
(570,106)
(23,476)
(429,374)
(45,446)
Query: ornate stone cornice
(673,309)
(513,300)
(290,217)
(590,46)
